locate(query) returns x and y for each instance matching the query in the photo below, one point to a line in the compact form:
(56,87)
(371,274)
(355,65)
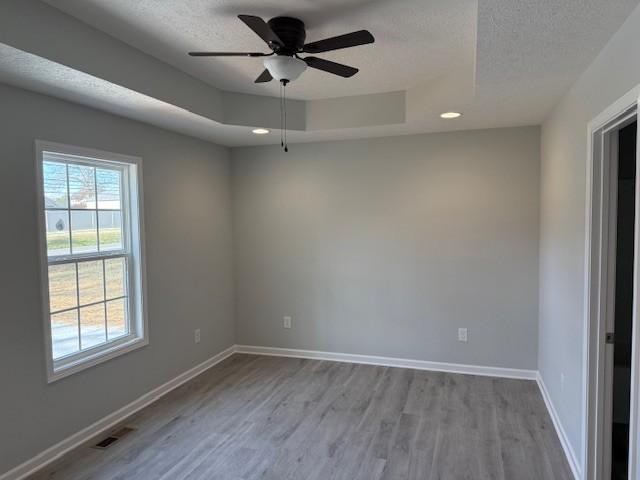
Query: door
(611,401)
(621,317)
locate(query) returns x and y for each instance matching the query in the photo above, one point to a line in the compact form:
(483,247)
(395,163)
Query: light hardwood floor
(255,417)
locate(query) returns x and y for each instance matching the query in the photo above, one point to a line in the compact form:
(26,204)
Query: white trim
(634,405)
(77,439)
(620,106)
(592,372)
(390,362)
(133,230)
(56,451)
(433,366)
(130,344)
(574,464)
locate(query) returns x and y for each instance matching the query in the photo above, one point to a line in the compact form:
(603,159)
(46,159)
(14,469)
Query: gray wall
(387,246)
(564,155)
(189,269)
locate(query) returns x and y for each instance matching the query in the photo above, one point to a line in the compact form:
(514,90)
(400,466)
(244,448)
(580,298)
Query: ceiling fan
(285,36)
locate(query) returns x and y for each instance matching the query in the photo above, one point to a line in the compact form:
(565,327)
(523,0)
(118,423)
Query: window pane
(117,324)
(90,281)
(108,189)
(57,227)
(92,326)
(55,185)
(89,206)
(82,186)
(62,287)
(115,270)
(84,234)
(64,333)
(110,223)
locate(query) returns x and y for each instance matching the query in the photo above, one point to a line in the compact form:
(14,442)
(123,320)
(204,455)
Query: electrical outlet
(196,335)
(462,334)
(562,382)
(287,322)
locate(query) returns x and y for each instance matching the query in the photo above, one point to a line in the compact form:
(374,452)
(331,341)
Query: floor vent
(113,438)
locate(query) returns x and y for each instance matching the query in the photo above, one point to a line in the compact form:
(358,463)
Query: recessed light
(450,115)
(261,131)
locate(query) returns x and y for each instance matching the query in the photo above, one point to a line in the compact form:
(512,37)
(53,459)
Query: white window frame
(133,232)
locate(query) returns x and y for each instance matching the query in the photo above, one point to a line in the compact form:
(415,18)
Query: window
(92,265)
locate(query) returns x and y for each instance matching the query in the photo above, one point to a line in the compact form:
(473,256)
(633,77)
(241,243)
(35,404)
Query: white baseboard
(576,469)
(436,366)
(56,451)
(391,362)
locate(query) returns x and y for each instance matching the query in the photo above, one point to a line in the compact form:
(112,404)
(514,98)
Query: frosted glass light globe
(282,67)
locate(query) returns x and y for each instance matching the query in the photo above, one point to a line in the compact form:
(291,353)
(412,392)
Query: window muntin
(83,206)
(93,255)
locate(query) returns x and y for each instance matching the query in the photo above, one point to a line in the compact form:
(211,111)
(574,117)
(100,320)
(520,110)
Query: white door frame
(599,277)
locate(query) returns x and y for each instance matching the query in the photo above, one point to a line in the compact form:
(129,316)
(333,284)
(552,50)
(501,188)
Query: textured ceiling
(501,62)
(29,71)
(537,48)
(416,40)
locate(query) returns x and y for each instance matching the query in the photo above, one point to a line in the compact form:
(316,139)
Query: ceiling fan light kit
(283,68)
(286,37)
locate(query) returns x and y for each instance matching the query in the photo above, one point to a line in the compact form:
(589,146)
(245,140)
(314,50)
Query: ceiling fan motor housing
(285,67)
(292,33)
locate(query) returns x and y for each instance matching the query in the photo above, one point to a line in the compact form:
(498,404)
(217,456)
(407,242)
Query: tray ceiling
(500,62)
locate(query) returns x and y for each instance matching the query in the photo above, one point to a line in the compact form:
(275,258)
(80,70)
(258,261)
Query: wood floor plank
(274,418)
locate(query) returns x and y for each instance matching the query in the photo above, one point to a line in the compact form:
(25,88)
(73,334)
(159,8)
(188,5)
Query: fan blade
(262,29)
(353,39)
(331,67)
(264,77)
(228,54)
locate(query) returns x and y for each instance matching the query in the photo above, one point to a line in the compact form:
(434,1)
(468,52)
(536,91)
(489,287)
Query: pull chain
(283,115)
(284,98)
(281,118)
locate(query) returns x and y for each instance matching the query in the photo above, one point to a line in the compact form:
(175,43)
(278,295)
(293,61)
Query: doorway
(620,329)
(612,373)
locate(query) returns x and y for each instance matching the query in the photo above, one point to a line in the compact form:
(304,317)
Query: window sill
(69,367)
